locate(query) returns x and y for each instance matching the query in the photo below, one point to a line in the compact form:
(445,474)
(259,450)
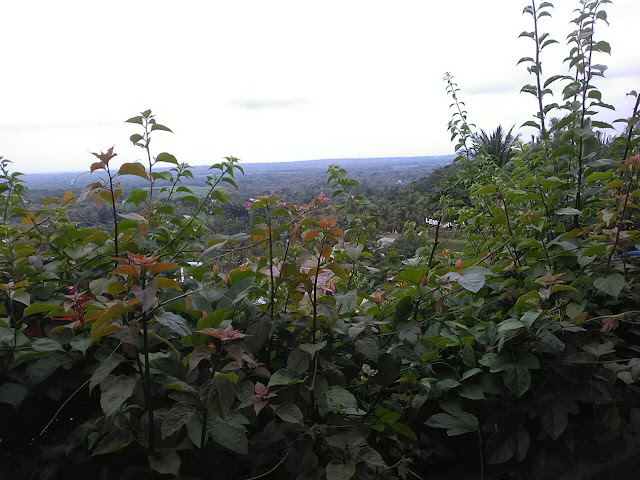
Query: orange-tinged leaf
(580,318)
(106,196)
(67,197)
(125,270)
(97,199)
(97,166)
(297,297)
(337,232)
(102,331)
(257,238)
(144,228)
(161,267)
(327,251)
(133,169)
(164,282)
(294,233)
(310,234)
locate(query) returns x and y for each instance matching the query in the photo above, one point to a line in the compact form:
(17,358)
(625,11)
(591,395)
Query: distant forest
(398,185)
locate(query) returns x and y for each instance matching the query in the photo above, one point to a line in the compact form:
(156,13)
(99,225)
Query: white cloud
(272,81)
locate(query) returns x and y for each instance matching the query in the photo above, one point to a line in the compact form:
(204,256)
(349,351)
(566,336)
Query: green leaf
(133,169)
(339,398)
(104,369)
(167,158)
(172,383)
(372,458)
(176,418)
(218,395)
(137,120)
(529,298)
(554,418)
(486,190)
(510,324)
(611,285)
(44,344)
(403,429)
(298,361)
(340,471)
(284,376)
(517,378)
(115,440)
(13,394)
(174,322)
(312,348)
(596,176)
(116,391)
(604,46)
(231,437)
(137,196)
(368,346)
(568,211)
(462,423)
(166,462)
(289,412)
(472,392)
(471,281)
(39,308)
(157,126)
(387,416)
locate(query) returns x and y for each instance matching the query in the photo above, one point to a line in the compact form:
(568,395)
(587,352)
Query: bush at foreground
(139,353)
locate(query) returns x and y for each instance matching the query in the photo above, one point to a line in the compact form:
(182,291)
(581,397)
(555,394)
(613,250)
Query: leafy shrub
(139,350)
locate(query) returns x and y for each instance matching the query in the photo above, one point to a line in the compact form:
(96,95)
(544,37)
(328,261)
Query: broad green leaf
(568,211)
(339,398)
(13,394)
(116,391)
(231,437)
(167,158)
(174,322)
(340,471)
(39,308)
(104,369)
(289,412)
(176,418)
(611,285)
(166,462)
(403,429)
(387,416)
(471,281)
(462,423)
(284,376)
(115,440)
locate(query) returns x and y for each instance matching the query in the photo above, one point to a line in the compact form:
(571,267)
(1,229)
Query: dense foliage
(141,351)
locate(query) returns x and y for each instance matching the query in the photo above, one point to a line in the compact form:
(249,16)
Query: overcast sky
(274,80)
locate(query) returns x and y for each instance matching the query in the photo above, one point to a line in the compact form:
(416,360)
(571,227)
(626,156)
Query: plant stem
(538,69)
(148,393)
(115,216)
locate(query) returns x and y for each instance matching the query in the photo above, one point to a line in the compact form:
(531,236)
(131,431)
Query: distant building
(431,221)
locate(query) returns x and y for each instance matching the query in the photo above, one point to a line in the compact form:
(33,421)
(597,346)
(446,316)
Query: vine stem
(273,469)
(55,415)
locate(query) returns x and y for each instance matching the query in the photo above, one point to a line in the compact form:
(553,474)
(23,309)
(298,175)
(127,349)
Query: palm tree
(497,146)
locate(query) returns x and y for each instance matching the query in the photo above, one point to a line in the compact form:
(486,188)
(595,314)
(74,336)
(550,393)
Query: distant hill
(396,169)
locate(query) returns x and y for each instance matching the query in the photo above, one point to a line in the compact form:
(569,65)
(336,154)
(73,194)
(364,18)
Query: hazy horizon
(161,167)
